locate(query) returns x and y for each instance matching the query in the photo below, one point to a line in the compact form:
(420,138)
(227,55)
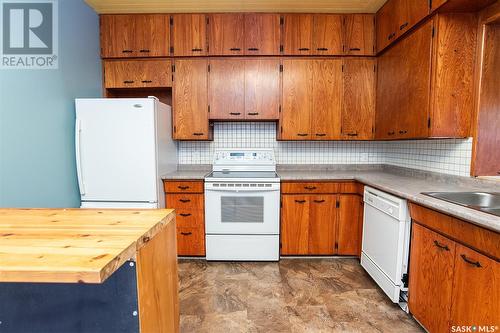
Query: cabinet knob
(234,113)
(235,49)
(146,81)
(198,134)
(185,214)
(144,51)
(301,134)
(354,49)
(182,187)
(470,262)
(320,134)
(128,81)
(322,49)
(184,200)
(127,51)
(304,49)
(403,132)
(391,133)
(352,134)
(443,247)
(252,49)
(186,233)
(319,201)
(196,50)
(253,113)
(402,26)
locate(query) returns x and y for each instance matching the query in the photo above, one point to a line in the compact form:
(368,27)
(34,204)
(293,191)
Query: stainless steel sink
(484,201)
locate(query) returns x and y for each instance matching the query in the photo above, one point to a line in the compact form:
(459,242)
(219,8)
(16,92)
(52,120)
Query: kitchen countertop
(402,182)
(73,245)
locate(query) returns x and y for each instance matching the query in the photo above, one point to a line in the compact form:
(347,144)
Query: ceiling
(206,6)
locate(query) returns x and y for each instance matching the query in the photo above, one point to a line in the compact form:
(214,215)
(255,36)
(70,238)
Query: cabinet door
(262,34)
(386,24)
(226,89)
(358,112)
(297,34)
(435,4)
(327,99)
(137,73)
(152,35)
(359,34)
(322,224)
(327,34)
(117,36)
(296,99)
(409,13)
(431,278)
(348,241)
(189,34)
(476,289)
(190,241)
(414,89)
(190,99)
(226,34)
(262,88)
(295,224)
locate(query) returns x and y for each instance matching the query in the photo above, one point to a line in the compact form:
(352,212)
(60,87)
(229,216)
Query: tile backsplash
(451,156)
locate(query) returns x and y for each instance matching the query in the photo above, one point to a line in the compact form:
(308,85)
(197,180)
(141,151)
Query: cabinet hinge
(342,67)
(171,20)
(281,204)
(208,68)
(281,129)
(433,31)
(375,68)
(430,4)
(373,129)
(281,245)
(343,48)
(282,20)
(172,77)
(281,48)
(281,68)
(208,108)
(175,129)
(173,68)
(208,20)
(337,204)
(171,49)
(336,245)
(429,122)
(279,109)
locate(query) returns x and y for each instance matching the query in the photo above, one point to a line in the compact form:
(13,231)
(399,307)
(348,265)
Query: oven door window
(242,209)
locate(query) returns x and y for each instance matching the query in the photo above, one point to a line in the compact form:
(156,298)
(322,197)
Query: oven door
(242,210)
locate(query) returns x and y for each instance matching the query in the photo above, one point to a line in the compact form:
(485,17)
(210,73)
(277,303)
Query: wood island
(85,270)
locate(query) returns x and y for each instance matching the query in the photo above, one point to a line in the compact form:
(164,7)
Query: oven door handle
(242,190)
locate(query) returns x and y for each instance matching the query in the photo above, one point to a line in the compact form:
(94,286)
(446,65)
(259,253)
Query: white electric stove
(242,204)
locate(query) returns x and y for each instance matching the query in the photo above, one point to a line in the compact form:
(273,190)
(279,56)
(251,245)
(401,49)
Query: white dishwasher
(386,243)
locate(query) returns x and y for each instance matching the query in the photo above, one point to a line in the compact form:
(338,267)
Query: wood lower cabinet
(226,34)
(189,35)
(325,223)
(187,198)
(142,73)
(358,105)
(454,272)
(135,35)
(190,100)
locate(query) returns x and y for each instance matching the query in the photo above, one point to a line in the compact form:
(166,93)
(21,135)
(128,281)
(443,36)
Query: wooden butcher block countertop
(73,245)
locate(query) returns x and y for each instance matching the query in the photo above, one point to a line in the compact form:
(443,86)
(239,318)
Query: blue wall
(37,163)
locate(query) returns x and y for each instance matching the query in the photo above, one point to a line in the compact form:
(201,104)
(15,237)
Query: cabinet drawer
(190,241)
(350,187)
(188,201)
(183,186)
(309,187)
(190,218)
(137,73)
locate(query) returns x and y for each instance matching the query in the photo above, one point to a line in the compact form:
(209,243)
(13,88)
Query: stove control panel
(244,157)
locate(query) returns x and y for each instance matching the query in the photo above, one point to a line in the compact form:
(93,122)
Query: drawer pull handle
(402,26)
(235,49)
(354,49)
(253,113)
(391,133)
(403,132)
(182,187)
(198,134)
(253,49)
(127,51)
(234,113)
(147,81)
(300,201)
(186,233)
(304,49)
(184,200)
(444,247)
(196,50)
(391,36)
(319,201)
(310,187)
(144,51)
(352,134)
(322,49)
(128,81)
(470,262)
(320,134)
(301,134)
(185,214)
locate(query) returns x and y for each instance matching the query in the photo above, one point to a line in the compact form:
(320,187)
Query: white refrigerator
(123,146)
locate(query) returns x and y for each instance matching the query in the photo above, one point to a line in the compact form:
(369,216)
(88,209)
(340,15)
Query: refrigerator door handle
(78,131)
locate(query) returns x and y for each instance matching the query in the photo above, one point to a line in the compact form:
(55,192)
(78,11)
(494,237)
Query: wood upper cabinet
(137,35)
(359,35)
(348,240)
(226,92)
(262,88)
(144,73)
(226,34)
(432,258)
(322,224)
(189,35)
(297,90)
(385,24)
(262,34)
(295,224)
(409,13)
(327,34)
(190,99)
(326,99)
(358,106)
(476,289)
(297,34)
